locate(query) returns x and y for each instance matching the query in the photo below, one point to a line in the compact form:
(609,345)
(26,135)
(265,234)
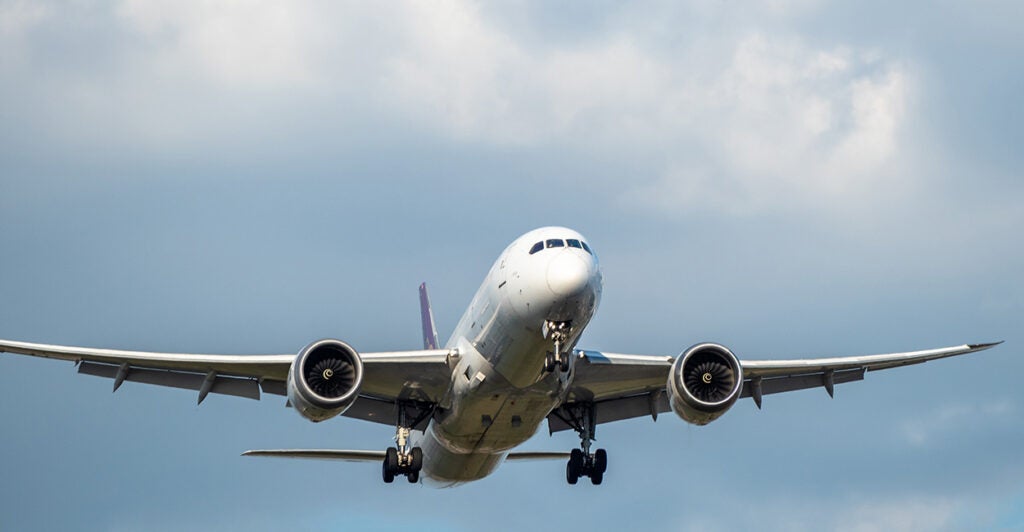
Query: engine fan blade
(709,381)
(331,377)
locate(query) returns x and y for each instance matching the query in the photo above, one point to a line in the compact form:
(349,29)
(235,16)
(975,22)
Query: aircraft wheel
(390,465)
(574,467)
(417,460)
(596,478)
(601,461)
(413,477)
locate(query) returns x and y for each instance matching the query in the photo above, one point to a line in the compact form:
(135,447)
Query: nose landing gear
(557,331)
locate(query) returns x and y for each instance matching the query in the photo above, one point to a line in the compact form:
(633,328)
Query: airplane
(459,411)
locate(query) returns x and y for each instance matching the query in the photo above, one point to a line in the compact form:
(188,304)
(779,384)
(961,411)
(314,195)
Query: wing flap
(239,387)
(801,382)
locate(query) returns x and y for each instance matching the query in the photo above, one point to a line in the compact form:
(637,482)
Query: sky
(791,178)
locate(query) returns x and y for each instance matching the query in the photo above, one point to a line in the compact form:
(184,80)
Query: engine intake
(704,382)
(324,379)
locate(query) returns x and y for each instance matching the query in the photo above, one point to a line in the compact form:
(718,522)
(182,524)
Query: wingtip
(979,347)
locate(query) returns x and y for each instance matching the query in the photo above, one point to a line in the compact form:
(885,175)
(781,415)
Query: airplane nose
(568,274)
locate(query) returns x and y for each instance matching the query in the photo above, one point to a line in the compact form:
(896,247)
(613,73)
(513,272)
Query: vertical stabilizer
(427,319)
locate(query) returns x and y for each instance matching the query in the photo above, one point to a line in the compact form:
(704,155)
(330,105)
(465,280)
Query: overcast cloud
(790,178)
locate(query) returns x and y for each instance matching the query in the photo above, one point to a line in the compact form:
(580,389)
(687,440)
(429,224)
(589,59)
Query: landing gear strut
(582,463)
(557,331)
(402,460)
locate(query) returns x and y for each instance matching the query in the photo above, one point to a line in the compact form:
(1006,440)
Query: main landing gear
(402,460)
(582,463)
(557,331)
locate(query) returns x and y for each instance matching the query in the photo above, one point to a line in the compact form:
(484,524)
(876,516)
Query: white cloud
(17,19)
(235,44)
(739,122)
(787,126)
(922,430)
(782,124)
(903,513)
(908,512)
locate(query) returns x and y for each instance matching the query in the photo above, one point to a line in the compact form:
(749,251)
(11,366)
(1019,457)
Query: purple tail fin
(427,319)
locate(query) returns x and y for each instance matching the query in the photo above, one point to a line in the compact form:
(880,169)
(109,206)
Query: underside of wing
(764,377)
(612,387)
(238,375)
(414,377)
(616,386)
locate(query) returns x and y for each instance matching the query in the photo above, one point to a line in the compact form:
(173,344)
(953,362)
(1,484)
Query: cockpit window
(559,243)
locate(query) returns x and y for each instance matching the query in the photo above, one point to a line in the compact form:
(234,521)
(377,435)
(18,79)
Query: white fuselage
(500,391)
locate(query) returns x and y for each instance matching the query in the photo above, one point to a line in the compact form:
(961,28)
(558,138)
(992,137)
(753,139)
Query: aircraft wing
(420,376)
(628,386)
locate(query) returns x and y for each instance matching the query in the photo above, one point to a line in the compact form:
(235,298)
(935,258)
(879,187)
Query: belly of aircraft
(469,442)
(471,445)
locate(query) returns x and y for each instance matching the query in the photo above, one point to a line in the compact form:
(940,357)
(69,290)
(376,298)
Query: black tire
(391,460)
(574,468)
(413,477)
(563,362)
(417,460)
(600,461)
(596,478)
(549,362)
(576,458)
(389,476)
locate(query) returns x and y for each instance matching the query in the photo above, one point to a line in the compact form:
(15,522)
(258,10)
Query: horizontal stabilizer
(321,454)
(524,456)
(378,456)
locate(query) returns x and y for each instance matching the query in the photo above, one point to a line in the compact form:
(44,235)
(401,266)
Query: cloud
(851,513)
(17,20)
(677,109)
(783,126)
(903,513)
(238,45)
(923,430)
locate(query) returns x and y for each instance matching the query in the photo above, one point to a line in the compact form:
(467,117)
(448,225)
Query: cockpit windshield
(559,243)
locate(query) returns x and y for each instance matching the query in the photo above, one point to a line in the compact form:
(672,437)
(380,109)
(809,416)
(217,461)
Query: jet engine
(324,379)
(704,382)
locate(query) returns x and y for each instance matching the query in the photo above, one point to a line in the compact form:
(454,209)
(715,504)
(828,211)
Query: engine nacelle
(324,379)
(704,382)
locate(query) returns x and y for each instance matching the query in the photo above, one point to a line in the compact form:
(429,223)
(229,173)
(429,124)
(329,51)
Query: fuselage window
(573,243)
(536,247)
(586,247)
(556,243)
